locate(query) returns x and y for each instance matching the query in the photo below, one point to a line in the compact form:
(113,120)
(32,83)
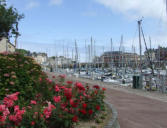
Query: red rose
(80,86)
(57,99)
(96,86)
(32,123)
(90,112)
(97,107)
(73,104)
(68,93)
(84,105)
(75,119)
(83,111)
(69,82)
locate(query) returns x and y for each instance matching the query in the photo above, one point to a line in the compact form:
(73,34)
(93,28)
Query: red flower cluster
(57,99)
(13,116)
(75,100)
(68,93)
(33,102)
(75,119)
(80,86)
(62,76)
(48,110)
(69,82)
(96,86)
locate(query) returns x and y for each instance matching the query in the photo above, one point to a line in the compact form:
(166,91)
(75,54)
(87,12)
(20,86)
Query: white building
(6,46)
(40,57)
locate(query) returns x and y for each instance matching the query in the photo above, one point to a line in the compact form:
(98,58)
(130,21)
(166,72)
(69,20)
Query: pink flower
(17,118)
(36,113)
(57,89)
(13,73)
(40,79)
(32,123)
(63,106)
(29,107)
(33,102)
(12,118)
(8,102)
(14,77)
(57,99)
(2,118)
(13,96)
(47,112)
(6,112)
(41,115)
(81,97)
(16,108)
(6,75)
(2,108)
(51,106)
(62,76)
(11,83)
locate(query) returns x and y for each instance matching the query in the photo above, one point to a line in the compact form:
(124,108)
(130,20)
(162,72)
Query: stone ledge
(113,122)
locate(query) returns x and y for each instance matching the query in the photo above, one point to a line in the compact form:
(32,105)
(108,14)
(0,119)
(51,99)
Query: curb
(113,122)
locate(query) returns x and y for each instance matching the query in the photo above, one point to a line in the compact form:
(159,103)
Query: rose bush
(39,102)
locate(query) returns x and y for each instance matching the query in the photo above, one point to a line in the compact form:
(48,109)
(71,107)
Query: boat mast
(76,54)
(139,27)
(166,7)
(111,55)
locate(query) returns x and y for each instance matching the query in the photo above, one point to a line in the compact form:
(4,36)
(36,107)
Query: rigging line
(148,55)
(161,16)
(166,7)
(134,36)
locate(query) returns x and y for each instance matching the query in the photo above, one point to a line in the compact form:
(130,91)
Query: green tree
(24,52)
(9,19)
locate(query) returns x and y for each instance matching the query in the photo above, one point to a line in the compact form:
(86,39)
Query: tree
(24,52)
(9,19)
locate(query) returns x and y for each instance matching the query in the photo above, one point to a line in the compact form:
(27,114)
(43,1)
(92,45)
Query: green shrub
(20,73)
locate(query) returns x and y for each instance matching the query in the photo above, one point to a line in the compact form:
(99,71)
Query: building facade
(6,46)
(40,57)
(119,59)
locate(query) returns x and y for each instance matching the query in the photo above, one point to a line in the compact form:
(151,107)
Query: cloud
(32,4)
(137,8)
(56,2)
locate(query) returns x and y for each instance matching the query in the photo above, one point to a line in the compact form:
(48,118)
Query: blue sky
(50,24)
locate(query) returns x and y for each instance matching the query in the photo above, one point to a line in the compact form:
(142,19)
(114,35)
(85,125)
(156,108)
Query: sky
(53,25)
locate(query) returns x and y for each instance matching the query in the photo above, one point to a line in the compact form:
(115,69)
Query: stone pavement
(136,109)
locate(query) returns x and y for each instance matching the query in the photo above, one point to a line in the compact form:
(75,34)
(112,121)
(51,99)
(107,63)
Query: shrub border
(113,122)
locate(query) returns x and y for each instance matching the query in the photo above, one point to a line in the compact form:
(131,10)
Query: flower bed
(35,101)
